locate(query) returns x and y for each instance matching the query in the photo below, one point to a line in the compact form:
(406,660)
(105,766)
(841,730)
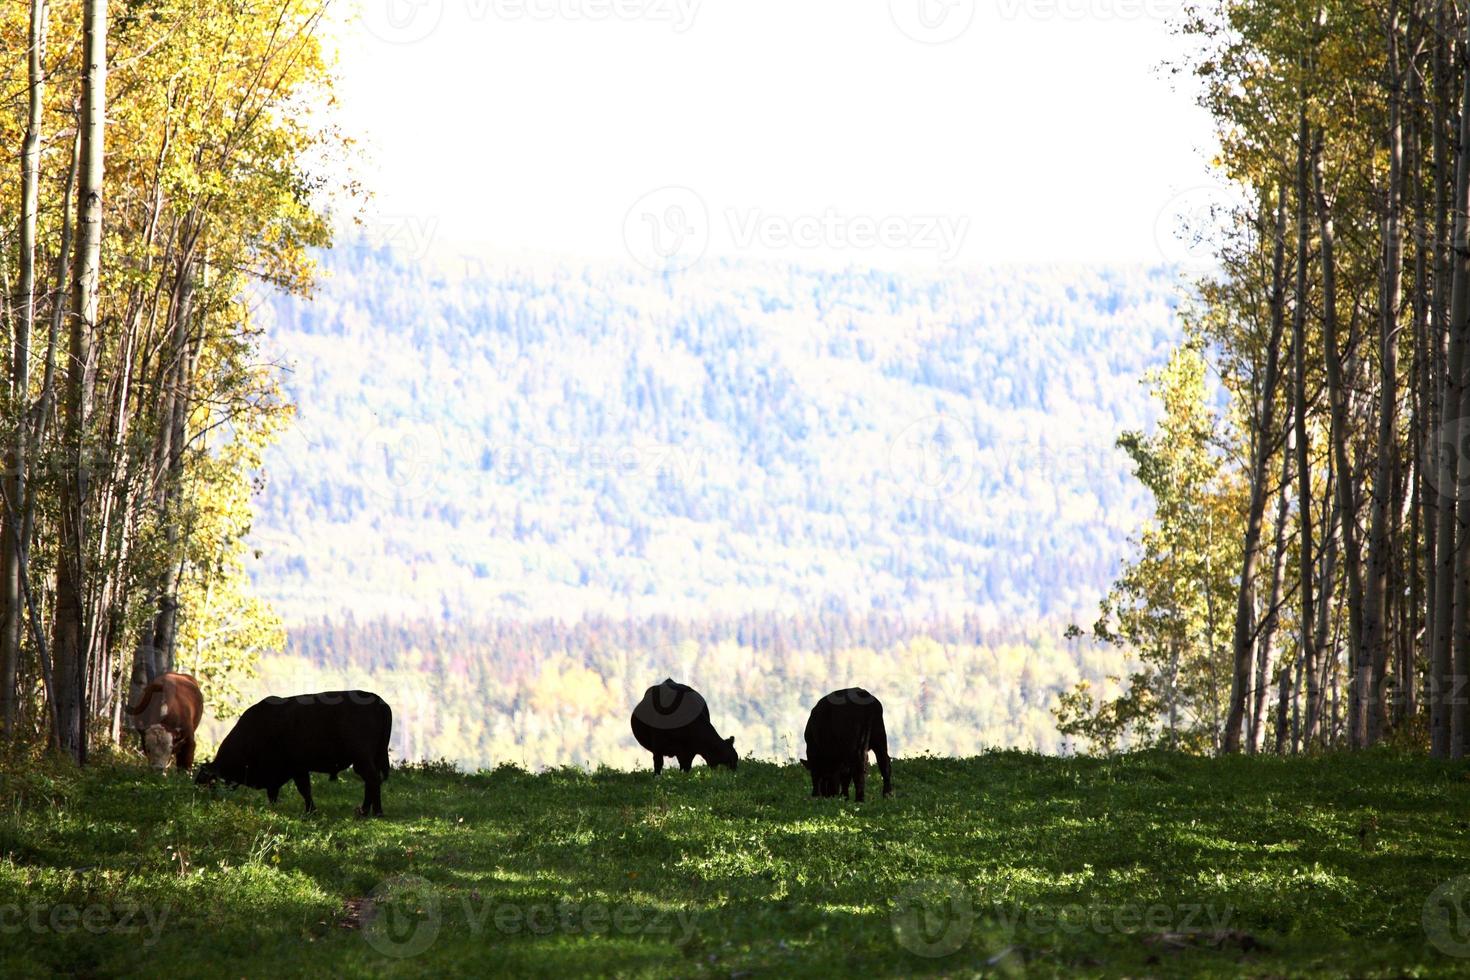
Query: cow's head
(213,775)
(824,783)
(224,771)
(158,745)
(207,775)
(228,766)
(724,754)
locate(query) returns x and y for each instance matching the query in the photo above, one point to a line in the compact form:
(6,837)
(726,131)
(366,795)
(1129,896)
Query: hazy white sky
(869,131)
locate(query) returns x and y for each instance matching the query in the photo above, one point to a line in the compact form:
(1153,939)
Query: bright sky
(871,131)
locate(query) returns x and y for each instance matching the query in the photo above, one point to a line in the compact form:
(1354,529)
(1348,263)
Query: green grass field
(1006,864)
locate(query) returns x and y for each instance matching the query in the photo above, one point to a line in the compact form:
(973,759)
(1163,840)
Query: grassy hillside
(1004,864)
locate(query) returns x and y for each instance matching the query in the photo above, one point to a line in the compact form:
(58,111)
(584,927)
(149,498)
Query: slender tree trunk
(1326,579)
(1172,682)
(1298,743)
(165,628)
(1268,629)
(1420,560)
(1303,439)
(47,401)
(12,607)
(41,415)
(1451,192)
(1337,399)
(1333,677)
(1442,443)
(72,638)
(1406,635)
(1265,439)
(1283,707)
(1453,743)
(151,655)
(1369,718)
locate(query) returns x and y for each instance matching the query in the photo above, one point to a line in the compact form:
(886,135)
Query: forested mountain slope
(476,439)
(517,496)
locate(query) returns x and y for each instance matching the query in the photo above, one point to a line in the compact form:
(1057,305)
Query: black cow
(673,719)
(284,739)
(842,729)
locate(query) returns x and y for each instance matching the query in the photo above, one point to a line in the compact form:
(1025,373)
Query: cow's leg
(880,750)
(273,793)
(375,790)
(860,776)
(686,762)
(658,763)
(303,786)
(372,791)
(184,754)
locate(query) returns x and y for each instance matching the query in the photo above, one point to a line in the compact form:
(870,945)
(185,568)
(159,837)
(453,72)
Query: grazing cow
(842,729)
(673,720)
(283,739)
(168,712)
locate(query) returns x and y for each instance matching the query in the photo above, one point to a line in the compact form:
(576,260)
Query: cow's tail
(383,767)
(153,688)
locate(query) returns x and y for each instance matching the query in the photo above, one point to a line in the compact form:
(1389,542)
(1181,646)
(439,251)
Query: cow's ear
(730,740)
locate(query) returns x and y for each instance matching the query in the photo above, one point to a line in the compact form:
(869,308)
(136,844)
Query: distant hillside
(478,440)
(550,693)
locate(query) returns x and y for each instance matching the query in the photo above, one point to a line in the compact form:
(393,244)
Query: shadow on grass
(1145,863)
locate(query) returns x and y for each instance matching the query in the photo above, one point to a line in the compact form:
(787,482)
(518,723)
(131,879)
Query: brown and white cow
(170,708)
